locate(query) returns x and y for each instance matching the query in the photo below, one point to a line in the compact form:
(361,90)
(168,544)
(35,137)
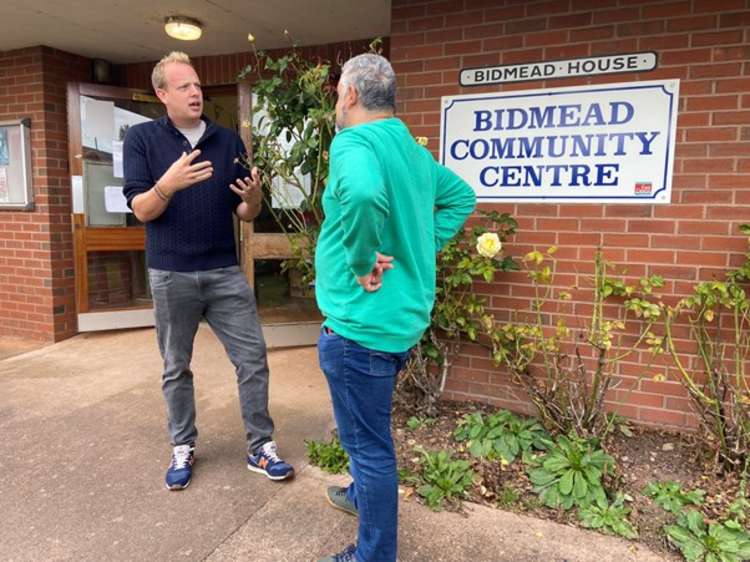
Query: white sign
(609,143)
(586,66)
(114,200)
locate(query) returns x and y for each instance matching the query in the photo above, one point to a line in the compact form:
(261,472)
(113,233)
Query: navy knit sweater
(195,232)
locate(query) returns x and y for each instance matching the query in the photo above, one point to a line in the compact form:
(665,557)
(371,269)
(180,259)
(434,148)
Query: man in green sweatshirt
(389,208)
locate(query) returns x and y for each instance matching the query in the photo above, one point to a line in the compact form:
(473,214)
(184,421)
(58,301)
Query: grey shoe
(337,498)
(346,555)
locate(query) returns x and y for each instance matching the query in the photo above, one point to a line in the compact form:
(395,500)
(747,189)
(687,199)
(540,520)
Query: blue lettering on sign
(554,116)
(597,175)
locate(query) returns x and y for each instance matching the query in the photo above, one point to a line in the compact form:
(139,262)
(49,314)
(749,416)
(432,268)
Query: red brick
(570,21)
(706,196)
(481,31)
(526,25)
(711,134)
(715,70)
(669,10)
(731,118)
(462,48)
(444,63)
(717,5)
(702,258)
(733,85)
(659,42)
(730,149)
(687,56)
(708,165)
(640,28)
(409,39)
(703,227)
(736,19)
(526,55)
(546,38)
(610,47)
(424,24)
(616,15)
(651,226)
(716,38)
(692,23)
(505,13)
(591,33)
(675,242)
(626,240)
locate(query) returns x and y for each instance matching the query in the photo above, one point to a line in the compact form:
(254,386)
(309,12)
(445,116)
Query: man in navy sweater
(183,179)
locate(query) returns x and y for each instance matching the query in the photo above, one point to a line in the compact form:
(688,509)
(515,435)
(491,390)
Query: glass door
(110,267)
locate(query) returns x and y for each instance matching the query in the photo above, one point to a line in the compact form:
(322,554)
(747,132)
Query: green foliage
(571,473)
(292,141)
(718,313)
(739,509)
(611,519)
(553,363)
(508,496)
(671,497)
(621,424)
(443,478)
(459,313)
(414,422)
(328,455)
(715,542)
(500,436)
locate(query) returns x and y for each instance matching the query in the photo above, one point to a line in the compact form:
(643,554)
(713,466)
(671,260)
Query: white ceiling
(122,31)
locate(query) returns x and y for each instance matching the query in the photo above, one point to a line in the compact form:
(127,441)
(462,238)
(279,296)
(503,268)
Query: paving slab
(85,448)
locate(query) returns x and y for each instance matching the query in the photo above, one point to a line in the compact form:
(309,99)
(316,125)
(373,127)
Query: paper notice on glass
(114,200)
(4,191)
(117,170)
(76,185)
(123,120)
(97,121)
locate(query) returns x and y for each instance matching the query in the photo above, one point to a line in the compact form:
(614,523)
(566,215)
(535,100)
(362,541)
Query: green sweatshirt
(385,193)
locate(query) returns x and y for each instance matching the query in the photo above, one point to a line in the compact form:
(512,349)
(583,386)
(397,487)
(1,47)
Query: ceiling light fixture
(183,28)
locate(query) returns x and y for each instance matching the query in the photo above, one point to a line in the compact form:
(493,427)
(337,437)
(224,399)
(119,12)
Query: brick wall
(704,43)
(37,297)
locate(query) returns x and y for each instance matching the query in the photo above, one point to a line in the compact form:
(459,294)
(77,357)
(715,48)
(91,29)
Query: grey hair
(373,78)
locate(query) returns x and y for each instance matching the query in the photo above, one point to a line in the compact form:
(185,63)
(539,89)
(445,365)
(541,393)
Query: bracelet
(160,193)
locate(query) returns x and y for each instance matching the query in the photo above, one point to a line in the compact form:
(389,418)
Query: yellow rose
(488,244)
(251,38)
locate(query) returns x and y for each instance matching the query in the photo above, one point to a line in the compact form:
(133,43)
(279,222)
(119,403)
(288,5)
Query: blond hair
(158,81)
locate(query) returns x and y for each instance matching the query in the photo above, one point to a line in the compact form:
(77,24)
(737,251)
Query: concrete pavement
(85,448)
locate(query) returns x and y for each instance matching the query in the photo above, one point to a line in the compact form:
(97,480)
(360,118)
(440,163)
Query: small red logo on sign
(642,188)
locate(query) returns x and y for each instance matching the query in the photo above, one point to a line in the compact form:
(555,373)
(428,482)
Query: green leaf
(580,488)
(566,483)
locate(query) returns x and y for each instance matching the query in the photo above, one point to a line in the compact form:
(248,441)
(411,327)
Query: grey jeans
(223,297)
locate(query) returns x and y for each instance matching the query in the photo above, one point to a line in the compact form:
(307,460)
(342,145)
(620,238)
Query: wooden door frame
(101,238)
(255,245)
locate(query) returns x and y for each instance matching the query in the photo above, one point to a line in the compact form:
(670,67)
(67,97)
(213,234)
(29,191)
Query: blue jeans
(223,297)
(361,382)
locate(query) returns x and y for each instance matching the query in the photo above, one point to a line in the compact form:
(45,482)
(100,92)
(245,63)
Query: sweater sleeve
(454,202)
(138,177)
(362,196)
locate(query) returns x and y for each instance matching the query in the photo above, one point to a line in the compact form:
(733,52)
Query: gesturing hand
(183,173)
(374,280)
(249,189)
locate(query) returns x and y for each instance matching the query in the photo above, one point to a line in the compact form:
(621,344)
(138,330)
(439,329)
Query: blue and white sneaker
(181,468)
(346,555)
(267,461)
